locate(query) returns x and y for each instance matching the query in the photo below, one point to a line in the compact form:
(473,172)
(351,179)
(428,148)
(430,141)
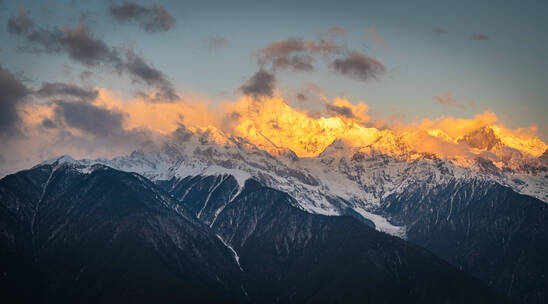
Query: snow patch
(240,175)
(382,224)
(236,257)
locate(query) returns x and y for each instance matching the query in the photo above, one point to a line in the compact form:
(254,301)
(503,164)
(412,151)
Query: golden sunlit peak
(271,122)
(521,139)
(440,134)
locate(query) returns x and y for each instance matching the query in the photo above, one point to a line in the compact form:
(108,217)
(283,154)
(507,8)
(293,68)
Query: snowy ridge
(340,178)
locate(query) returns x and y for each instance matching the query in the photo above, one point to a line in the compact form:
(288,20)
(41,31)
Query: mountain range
(214,218)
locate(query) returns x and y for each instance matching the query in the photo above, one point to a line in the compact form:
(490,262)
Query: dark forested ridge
(94,234)
(483,228)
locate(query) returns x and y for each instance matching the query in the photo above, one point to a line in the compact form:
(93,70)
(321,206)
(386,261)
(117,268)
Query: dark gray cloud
(20,23)
(151,19)
(216,43)
(262,83)
(301,97)
(12,93)
(82,46)
(358,66)
(142,71)
(48,123)
(79,43)
(295,54)
(58,89)
(479,37)
(89,118)
(339,110)
(439,30)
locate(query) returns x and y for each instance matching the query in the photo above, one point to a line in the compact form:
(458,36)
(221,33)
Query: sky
(407,61)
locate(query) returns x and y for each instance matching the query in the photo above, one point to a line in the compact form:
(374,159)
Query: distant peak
(483,138)
(337,147)
(59,160)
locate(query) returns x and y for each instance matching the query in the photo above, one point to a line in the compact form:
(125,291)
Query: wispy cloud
(151,19)
(374,36)
(448,100)
(214,44)
(479,37)
(58,89)
(439,30)
(295,53)
(82,46)
(337,30)
(142,71)
(358,66)
(12,93)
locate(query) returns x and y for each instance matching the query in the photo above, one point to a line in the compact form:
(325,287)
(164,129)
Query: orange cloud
(159,117)
(373,35)
(343,108)
(270,123)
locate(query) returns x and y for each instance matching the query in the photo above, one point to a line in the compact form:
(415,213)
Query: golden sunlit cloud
(270,123)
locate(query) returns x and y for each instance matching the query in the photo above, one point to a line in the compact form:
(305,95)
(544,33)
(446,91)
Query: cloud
(151,19)
(79,43)
(343,107)
(89,118)
(448,100)
(479,37)
(57,89)
(358,66)
(262,83)
(86,75)
(216,43)
(82,46)
(312,87)
(373,35)
(48,123)
(109,127)
(142,71)
(20,23)
(12,93)
(439,30)
(337,30)
(339,110)
(295,53)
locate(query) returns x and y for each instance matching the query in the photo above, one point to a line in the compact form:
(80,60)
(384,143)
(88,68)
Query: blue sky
(505,73)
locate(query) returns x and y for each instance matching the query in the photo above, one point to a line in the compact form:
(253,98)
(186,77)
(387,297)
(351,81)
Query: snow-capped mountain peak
(342,179)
